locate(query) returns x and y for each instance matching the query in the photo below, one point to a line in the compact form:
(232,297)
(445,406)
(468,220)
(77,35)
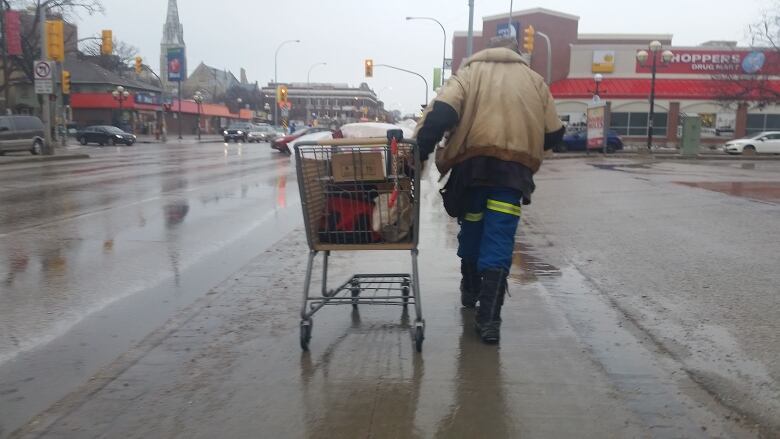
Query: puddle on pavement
(620,166)
(757,190)
(527,266)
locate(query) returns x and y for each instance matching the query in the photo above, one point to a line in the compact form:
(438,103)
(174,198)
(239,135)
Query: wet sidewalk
(230,365)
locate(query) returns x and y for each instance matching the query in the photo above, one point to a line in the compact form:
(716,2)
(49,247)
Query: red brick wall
(562,33)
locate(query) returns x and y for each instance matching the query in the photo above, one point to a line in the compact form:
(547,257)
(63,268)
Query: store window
(757,123)
(635,124)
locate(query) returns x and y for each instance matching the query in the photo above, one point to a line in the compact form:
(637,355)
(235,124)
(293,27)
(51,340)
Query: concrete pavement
(643,305)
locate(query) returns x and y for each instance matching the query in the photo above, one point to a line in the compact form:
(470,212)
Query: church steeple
(172,38)
(173,31)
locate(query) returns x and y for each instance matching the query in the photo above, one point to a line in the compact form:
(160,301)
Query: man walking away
(501,117)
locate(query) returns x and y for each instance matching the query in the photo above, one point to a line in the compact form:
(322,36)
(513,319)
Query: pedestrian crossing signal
(369,65)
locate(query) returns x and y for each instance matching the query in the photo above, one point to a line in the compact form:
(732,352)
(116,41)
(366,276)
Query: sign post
(597,127)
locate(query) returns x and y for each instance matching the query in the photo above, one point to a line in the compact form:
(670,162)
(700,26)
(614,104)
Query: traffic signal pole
(45,101)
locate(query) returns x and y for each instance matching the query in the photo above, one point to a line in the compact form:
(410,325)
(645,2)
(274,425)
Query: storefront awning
(639,88)
(84,101)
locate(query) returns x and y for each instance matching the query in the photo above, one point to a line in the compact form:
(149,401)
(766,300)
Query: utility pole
(470,38)
(6,79)
(45,103)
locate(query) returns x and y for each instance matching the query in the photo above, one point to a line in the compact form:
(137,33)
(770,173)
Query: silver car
(261,133)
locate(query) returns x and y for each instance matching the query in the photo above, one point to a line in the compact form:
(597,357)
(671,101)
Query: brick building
(696,82)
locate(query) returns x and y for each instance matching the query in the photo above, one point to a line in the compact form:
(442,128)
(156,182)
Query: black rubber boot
(491,299)
(469,284)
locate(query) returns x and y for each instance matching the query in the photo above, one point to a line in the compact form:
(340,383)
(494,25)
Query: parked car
(282,144)
(578,140)
(261,133)
(767,142)
(21,133)
(238,132)
(105,135)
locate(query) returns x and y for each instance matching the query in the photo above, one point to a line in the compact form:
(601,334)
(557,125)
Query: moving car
(21,133)
(767,142)
(282,144)
(261,133)
(237,132)
(104,135)
(577,141)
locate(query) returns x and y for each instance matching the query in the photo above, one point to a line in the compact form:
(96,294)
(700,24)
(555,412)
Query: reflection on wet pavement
(756,190)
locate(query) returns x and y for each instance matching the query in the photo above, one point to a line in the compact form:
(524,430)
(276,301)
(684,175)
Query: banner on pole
(13,33)
(176,66)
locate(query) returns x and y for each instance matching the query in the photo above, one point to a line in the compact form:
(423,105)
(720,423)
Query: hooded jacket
(504,109)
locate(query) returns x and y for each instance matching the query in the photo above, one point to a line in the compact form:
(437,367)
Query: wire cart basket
(360,194)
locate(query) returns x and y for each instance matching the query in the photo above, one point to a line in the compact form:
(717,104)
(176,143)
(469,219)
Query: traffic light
(369,65)
(281,94)
(139,65)
(55,41)
(528,39)
(65,82)
(107,48)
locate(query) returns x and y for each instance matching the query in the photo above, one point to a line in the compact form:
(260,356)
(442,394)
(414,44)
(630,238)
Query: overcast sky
(232,34)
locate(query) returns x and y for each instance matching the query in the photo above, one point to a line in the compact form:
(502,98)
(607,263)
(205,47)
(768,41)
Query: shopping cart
(361,194)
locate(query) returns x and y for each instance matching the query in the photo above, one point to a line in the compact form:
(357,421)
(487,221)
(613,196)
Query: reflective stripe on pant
(487,232)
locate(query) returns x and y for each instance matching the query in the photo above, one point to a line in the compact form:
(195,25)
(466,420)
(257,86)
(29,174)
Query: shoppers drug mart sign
(714,62)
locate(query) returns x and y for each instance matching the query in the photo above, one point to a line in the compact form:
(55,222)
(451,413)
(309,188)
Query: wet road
(644,304)
(95,254)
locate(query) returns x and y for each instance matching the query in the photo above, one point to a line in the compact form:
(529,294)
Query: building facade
(709,81)
(328,103)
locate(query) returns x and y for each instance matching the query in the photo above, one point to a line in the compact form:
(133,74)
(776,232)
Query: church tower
(173,38)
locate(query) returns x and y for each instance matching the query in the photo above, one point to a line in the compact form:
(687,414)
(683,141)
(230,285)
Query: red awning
(639,88)
(105,101)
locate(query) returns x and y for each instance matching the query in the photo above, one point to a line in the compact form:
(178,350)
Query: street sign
(596,115)
(43,72)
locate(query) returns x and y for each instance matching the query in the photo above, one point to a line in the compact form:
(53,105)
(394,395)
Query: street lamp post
(444,45)
(120,95)
(276,80)
(198,101)
(642,56)
(597,78)
(308,89)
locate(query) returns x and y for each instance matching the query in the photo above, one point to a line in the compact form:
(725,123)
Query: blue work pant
(487,231)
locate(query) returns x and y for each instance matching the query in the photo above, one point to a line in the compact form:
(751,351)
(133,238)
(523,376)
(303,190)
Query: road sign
(448,63)
(43,71)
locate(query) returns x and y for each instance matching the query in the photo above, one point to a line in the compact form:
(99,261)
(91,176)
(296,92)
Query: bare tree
(757,88)
(123,56)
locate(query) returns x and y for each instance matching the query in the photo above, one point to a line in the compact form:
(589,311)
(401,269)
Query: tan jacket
(504,109)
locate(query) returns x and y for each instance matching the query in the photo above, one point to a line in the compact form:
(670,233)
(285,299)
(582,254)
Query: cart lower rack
(360,194)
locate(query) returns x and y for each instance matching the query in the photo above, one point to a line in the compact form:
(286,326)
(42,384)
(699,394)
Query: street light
(597,78)
(444,46)
(642,56)
(308,88)
(199,101)
(276,81)
(120,95)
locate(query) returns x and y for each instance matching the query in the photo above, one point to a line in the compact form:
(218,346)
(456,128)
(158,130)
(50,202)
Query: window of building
(635,124)
(757,123)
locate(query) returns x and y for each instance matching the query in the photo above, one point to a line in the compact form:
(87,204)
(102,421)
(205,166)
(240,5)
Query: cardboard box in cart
(358,166)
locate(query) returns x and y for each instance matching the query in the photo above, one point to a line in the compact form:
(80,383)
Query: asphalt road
(95,254)
(644,304)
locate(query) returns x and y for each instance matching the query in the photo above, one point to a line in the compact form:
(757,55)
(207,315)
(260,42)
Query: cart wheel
(355,295)
(306,327)
(419,336)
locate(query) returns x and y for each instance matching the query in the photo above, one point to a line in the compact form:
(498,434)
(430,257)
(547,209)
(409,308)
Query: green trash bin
(691,135)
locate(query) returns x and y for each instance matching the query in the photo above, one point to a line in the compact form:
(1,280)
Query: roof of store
(639,88)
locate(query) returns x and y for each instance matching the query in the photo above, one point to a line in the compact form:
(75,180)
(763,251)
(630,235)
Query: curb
(662,156)
(46,158)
